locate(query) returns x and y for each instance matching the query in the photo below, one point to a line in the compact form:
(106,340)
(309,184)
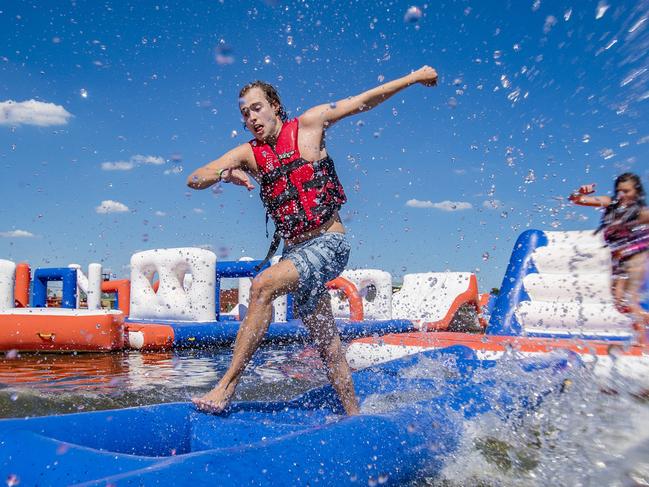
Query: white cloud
(17,234)
(492,204)
(140,159)
(445,205)
(198,210)
(136,160)
(117,166)
(110,206)
(32,112)
(160,213)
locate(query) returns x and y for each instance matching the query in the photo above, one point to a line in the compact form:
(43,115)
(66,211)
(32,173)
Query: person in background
(625,227)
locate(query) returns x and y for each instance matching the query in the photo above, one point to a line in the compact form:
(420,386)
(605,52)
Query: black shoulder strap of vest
(274,245)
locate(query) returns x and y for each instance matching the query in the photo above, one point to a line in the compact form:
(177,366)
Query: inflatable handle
(46,336)
(355,300)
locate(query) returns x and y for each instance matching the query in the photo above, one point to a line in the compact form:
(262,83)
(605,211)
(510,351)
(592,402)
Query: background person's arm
(327,114)
(583,197)
(235,162)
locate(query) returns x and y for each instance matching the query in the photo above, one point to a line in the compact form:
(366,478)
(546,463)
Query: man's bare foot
(215,401)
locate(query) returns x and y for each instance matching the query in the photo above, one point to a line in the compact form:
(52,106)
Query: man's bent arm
(210,173)
(327,114)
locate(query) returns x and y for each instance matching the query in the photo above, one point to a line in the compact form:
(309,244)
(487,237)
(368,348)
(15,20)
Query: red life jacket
(299,195)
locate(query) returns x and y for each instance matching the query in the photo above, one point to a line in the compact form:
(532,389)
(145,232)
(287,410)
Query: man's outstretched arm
(328,114)
(213,172)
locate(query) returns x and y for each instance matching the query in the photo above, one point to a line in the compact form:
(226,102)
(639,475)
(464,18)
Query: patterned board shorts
(318,261)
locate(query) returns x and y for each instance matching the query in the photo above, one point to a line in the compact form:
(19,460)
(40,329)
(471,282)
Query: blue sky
(535,97)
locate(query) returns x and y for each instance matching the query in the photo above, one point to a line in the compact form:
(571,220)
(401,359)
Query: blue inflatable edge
(503,320)
(193,334)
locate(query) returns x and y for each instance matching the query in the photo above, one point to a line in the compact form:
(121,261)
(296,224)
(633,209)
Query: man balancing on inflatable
(302,194)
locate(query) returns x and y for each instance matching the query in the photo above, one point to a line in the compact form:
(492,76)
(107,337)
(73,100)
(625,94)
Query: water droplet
(224,54)
(452,102)
(586,138)
(233,134)
(607,154)
(504,214)
(395,112)
(267,60)
(485,256)
(412,15)
(14,397)
(83,93)
(602,7)
(12,480)
(530,178)
(289,40)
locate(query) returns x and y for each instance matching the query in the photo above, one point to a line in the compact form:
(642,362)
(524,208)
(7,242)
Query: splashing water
(582,436)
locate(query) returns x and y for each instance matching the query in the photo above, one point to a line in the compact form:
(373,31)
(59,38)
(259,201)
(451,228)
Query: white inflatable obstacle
(572,289)
(90,284)
(179,297)
(375,289)
(559,283)
(433,298)
(7,281)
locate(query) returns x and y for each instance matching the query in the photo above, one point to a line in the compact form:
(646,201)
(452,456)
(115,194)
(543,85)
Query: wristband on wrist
(219,173)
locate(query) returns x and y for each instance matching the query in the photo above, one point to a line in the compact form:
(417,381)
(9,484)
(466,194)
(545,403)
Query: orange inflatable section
(470,296)
(150,336)
(123,289)
(495,343)
(354,299)
(58,330)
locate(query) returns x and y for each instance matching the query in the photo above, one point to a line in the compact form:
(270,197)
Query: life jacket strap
(274,245)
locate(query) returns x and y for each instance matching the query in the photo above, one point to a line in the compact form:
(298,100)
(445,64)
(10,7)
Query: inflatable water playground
(428,353)
(557,287)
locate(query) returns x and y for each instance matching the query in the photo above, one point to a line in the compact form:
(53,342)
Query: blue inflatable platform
(205,334)
(414,409)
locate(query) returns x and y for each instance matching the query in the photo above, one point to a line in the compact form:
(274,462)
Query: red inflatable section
(61,330)
(355,300)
